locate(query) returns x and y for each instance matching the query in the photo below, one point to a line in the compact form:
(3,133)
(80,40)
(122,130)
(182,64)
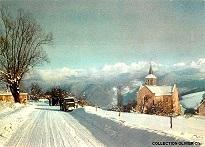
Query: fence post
(171,121)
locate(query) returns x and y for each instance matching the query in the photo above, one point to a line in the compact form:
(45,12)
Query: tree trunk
(15,92)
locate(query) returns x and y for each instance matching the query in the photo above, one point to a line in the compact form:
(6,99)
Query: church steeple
(150,69)
(150,79)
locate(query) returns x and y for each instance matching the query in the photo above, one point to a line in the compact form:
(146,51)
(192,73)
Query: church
(154,99)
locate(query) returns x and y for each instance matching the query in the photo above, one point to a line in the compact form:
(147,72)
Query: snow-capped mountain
(101,90)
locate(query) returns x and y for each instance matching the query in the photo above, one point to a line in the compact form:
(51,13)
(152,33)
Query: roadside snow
(188,128)
(9,108)
(11,117)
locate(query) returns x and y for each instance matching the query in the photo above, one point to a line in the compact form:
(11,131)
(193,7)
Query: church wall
(140,97)
(149,104)
(167,104)
(158,99)
(176,102)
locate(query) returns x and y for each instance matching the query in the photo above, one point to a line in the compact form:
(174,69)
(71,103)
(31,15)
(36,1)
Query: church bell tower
(150,79)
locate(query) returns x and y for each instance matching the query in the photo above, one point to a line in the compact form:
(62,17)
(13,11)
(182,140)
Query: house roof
(150,76)
(202,102)
(192,100)
(161,90)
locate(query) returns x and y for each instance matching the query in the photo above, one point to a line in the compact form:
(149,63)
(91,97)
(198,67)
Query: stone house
(201,108)
(154,99)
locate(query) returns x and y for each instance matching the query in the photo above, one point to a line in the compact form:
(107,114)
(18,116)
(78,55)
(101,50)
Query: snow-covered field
(192,128)
(45,126)
(192,100)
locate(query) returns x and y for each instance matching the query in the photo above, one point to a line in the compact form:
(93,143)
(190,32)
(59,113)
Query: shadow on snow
(112,133)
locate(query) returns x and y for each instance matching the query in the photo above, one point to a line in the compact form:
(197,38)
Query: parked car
(67,104)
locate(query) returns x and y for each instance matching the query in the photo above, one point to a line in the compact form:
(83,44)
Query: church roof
(150,76)
(161,90)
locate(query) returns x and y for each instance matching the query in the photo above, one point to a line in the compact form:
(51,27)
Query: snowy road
(48,127)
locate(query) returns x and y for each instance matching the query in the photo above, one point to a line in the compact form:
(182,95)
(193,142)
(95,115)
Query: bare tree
(36,91)
(21,42)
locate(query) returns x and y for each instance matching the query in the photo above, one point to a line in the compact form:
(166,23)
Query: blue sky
(90,33)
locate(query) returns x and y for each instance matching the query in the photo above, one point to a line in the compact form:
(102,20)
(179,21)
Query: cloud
(106,70)
(181,64)
(119,68)
(57,74)
(197,64)
(129,68)
(116,68)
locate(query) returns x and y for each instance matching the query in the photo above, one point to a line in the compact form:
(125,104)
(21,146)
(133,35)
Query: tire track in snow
(21,134)
(47,127)
(65,137)
(57,133)
(32,132)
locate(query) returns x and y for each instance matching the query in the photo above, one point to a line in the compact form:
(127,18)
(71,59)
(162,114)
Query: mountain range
(101,90)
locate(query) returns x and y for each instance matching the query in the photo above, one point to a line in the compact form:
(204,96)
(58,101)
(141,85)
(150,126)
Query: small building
(154,99)
(8,97)
(23,97)
(201,108)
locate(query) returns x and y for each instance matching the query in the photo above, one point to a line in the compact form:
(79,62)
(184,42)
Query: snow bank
(7,108)
(188,128)
(117,134)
